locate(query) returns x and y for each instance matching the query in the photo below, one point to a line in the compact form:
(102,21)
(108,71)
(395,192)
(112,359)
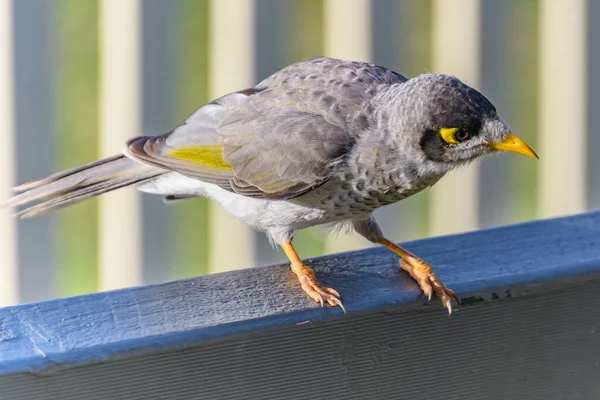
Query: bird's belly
(260,213)
(331,202)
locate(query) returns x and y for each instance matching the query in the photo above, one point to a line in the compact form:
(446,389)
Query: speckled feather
(320,141)
(284,136)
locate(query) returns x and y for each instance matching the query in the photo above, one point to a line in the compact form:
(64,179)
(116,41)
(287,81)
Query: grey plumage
(320,141)
(291,133)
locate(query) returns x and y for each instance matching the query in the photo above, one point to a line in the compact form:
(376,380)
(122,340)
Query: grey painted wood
(387,37)
(593,104)
(157,99)
(386,47)
(495,56)
(528,328)
(270,46)
(35,122)
(389,46)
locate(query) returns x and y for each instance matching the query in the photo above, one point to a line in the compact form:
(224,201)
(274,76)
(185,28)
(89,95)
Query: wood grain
(529,314)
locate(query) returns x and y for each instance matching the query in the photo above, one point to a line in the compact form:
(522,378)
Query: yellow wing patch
(209,156)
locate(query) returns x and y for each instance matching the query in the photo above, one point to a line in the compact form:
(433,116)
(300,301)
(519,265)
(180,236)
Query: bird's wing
(278,139)
(279,154)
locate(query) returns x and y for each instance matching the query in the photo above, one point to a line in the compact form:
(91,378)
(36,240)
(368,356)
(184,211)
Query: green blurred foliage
(189,227)
(77,73)
(77,80)
(416,29)
(304,38)
(523,88)
(305,30)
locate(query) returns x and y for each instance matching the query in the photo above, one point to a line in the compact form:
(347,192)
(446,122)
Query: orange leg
(308,281)
(422,273)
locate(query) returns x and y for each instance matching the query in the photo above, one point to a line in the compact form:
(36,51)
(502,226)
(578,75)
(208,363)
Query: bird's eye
(461,134)
(454,135)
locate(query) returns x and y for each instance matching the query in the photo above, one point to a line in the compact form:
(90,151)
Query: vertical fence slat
(456,52)
(271,20)
(8,265)
(156,118)
(35,91)
(496,59)
(347,29)
(389,46)
(593,99)
(231,68)
(120,119)
(347,35)
(562,96)
(405,26)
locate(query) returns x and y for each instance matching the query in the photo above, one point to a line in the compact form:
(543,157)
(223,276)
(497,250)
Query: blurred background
(79,77)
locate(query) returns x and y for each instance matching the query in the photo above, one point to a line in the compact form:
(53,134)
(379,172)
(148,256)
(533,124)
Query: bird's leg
(422,273)
(308,281)
(418,269)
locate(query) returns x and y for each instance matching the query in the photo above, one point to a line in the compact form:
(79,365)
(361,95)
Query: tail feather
(80,183)
(63,174)
(76,196)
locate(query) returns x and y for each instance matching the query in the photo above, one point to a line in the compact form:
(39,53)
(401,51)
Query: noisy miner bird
(321,141)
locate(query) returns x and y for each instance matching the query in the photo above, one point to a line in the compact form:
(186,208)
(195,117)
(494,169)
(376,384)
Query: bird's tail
(73,185)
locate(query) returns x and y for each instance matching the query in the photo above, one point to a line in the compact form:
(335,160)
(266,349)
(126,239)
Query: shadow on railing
(527,328)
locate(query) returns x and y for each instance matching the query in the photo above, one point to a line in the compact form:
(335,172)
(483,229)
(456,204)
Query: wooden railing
(528,328)
(78,78)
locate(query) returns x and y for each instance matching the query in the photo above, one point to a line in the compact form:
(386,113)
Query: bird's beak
(514,144)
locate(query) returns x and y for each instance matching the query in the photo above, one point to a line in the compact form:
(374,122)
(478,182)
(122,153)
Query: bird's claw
(429,283)
(320,293)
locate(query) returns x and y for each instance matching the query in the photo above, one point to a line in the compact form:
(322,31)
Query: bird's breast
(343,199)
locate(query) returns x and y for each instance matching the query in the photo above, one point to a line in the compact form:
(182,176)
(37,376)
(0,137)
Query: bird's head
(449,123)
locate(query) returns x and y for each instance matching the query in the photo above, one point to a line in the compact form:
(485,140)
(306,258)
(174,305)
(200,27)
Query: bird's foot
(315,289)
(422,272)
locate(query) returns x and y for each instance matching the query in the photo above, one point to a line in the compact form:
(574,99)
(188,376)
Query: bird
(321,141)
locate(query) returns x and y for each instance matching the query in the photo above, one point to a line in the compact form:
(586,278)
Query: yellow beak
(514,144)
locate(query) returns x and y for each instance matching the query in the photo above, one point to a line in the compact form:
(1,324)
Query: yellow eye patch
(448,135)
(209,156)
